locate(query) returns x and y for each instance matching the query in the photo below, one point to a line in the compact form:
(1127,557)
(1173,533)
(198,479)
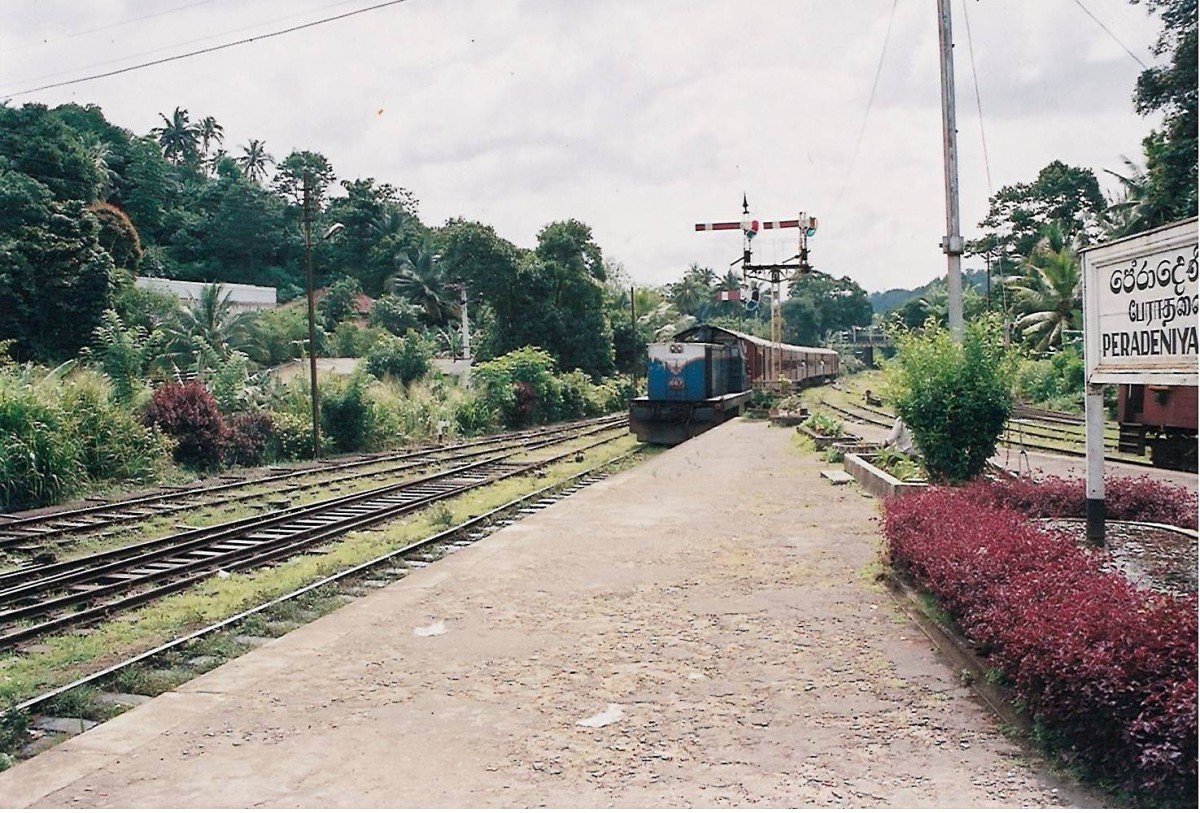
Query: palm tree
(178,137)
(209,323)
(421,281)
(1134,209)
(694,293)
(254,160)
(210,133)
(1047,295)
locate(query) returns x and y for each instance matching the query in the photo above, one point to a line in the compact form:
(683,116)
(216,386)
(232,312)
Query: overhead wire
(110,26)
(1114,37)
(175,45)
(870,103)
(201,51)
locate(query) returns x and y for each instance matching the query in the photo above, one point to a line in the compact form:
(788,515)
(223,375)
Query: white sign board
(1140,305)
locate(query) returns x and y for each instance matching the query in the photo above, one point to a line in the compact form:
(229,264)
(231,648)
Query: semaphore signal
(774,273)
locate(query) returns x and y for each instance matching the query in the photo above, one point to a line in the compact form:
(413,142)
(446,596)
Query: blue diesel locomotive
(706,376)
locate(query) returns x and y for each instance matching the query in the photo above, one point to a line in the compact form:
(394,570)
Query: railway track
(29,534)
(42,598)
(388,566)
(1023,431)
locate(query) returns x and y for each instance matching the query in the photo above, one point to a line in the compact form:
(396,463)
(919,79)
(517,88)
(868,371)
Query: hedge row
(1106,669)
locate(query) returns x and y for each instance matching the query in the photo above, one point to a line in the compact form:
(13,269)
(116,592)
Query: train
(1161,417)
(706,375)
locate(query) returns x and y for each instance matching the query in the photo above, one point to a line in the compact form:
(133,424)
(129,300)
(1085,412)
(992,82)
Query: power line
(1111,34)
(176,45)
(870,102)
(987,164)
(117,24)
(201,51)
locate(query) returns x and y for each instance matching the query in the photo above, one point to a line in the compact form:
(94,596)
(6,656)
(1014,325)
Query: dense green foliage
(58,436)
(406,359)
(955,398)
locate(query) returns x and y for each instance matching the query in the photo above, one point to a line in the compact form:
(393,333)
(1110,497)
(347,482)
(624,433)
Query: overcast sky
(638,117)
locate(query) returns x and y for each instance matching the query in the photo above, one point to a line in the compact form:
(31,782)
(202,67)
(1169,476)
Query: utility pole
(952,243)
(312,319)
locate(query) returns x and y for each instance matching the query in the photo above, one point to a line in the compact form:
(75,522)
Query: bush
(41,457)
(395,315)
(188,413)
(346,414)
(1108,671)
(1053,383)
(113,445)
(408,358)
(520,387)
(247,438)
(351,341)
(955,398)
(821,424)
(291,437)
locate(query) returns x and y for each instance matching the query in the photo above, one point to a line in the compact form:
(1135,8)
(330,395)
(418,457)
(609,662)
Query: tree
(55,279)
(420,280)
(1047,295)
(380,222)
(290,172)
(37,143)
(178,138)
(818,304)
(1172,90)
(1067,196)
(210,323)
(254,160)
(210,133)
(694,293)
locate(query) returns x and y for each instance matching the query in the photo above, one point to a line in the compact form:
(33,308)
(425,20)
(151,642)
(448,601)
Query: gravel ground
(705,630)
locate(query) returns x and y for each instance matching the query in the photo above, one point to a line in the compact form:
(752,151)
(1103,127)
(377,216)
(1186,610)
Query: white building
(241,297)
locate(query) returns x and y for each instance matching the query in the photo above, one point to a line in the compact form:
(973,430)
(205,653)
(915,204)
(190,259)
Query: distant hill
(884,301)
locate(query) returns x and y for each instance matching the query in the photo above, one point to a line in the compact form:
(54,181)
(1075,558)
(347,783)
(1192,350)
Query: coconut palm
(254,160)
(420,280)
(694,293)
(210,133)
(178,137)
(209,323)
(1047,294)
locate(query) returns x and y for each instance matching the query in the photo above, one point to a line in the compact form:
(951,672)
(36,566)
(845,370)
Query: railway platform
(704,630)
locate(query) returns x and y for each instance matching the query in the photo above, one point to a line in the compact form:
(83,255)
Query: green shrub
(346,414)
(351,341)
(41,456)
(291,437)
(407,359)
(395,314)
(825,426)
(954,398)
(114,445)
(520,387)
(1054,383)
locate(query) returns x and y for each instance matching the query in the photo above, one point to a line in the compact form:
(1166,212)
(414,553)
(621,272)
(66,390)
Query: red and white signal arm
(1140,304)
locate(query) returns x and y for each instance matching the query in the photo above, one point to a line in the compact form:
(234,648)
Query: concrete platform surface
(705,630)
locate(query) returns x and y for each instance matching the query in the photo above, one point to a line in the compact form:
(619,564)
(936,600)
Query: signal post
(774,273)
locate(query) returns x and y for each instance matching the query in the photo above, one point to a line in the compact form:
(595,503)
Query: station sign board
(1140,298)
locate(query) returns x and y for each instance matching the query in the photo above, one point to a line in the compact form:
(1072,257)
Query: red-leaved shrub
(188,414)
(1136,499)
(247,437)
(1107,669)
